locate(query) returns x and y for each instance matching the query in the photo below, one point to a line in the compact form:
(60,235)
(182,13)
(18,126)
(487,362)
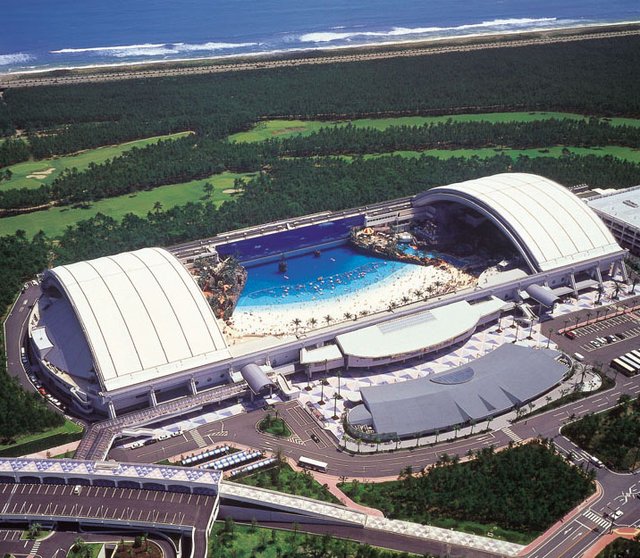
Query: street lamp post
(549,337)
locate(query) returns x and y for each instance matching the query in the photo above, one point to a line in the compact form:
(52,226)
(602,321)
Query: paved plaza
(484,340)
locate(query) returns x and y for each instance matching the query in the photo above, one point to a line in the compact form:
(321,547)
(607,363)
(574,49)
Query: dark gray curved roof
(489,386)
(256,378)
(543,295)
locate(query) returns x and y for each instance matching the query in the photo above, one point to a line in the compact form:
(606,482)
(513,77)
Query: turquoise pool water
(336,271)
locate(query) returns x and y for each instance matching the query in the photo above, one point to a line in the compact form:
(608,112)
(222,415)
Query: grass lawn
(26,536)
(80,160)
(625,153)
(248,541)
(289,128)
(67,428)
(284,479)
(55,220)
(94,550)
(274,425)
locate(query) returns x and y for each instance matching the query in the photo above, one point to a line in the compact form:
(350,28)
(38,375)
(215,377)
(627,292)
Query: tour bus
(632,358)
(629,363)
(634,354)
(620,366)
(313,464)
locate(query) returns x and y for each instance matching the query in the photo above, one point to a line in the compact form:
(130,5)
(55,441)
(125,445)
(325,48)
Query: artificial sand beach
(278,319)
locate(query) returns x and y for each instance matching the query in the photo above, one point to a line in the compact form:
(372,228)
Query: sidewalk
(332,485)
(602,542)
(51,452)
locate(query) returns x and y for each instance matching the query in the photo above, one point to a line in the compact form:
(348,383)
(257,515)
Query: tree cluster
(350,139)
(612,436)
(20,412)
(525,488)
(191,157)
(590,77)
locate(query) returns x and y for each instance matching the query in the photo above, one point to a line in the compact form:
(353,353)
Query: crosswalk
(512,434)
(34,549)
(597,519)
(198,439)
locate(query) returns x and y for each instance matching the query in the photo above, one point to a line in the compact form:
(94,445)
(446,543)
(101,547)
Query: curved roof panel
(498,381)
(549,223)
(143,315)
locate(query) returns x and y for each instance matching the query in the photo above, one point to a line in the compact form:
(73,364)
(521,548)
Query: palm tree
(328,319)
(347,315)
(157,207)
(296,322)
(616,290)
(405,299)
(313,322)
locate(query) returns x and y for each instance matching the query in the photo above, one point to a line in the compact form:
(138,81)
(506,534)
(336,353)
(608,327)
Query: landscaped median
(32,443)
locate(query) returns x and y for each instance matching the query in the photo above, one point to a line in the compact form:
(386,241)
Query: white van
(578,357)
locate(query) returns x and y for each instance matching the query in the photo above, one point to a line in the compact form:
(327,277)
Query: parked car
(570,334)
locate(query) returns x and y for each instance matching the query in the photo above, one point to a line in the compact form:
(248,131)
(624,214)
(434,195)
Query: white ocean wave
(152,49)
(16,58)
(109,49)
(514,23)
(186,47)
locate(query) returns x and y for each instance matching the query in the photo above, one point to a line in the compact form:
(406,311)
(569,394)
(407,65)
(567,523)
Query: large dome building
(121,322)
(126,331)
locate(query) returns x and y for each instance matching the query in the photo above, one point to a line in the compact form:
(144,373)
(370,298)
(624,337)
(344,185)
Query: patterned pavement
(481,342)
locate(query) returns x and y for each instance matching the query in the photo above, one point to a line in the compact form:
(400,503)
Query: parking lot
(115,504)
(598,338)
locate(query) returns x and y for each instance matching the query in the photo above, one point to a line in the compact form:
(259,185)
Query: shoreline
(273,320)
(315,55)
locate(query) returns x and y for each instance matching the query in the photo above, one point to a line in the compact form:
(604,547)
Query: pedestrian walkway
(323,510)
(597,519)
(198,439)
(512,434)
(624,532)
(34,549)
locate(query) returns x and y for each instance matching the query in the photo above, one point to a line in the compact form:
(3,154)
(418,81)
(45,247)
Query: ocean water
(46,34)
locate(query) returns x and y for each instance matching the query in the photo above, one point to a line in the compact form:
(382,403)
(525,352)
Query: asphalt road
(15,329)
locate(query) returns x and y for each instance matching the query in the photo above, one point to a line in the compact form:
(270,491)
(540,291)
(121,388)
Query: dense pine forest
(302,174)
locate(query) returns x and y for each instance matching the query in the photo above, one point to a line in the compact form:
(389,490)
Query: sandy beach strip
(314,55)
(278,318)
